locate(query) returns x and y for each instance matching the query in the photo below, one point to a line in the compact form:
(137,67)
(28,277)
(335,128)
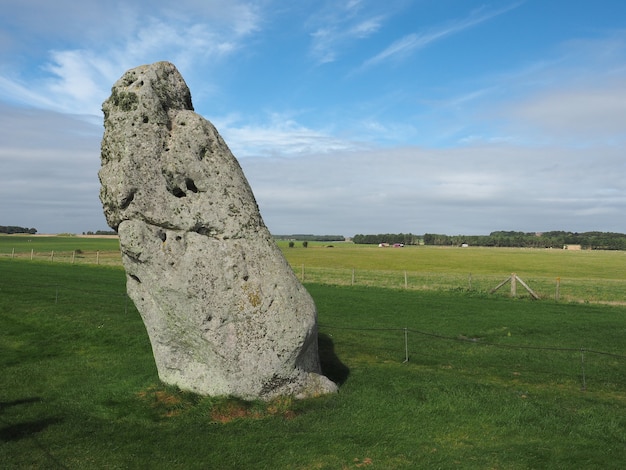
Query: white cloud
(584,114)
(124,36)
(339,27)
(280,136)
(415,41)
(470,191)
(48,171)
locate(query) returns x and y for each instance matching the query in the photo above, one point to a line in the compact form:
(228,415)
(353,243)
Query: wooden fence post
(513,285)
(530,291)
(557,294)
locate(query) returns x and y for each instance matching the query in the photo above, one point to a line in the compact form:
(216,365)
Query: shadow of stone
(332,367)
(15,432)
(24,401)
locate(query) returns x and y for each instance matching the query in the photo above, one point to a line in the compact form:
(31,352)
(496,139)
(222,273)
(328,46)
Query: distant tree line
(101,232)
(311,238)
(554,239)
(10,229)
(391,238)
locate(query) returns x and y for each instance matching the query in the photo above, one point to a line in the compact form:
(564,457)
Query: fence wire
(116,296)
(547,361)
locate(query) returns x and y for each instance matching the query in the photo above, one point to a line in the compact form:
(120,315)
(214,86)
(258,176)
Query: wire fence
(555,288)
(108,258)
(590,368)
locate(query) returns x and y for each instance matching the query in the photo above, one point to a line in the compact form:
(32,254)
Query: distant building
(572,247)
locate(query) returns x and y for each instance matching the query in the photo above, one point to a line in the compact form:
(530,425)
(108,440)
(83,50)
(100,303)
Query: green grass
(491,382)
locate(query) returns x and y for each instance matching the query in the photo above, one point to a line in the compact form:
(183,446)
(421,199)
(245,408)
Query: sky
(347,116)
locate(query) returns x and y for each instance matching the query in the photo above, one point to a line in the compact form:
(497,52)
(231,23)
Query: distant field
(82,250)
(595,276)
(582,275)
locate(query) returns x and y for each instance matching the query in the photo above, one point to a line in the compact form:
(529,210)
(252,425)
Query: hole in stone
(191,186)
(127,200)
(246,277)
(203,230)
(135,278)
(145,119)
(162,236)
(178,192)
(178,238)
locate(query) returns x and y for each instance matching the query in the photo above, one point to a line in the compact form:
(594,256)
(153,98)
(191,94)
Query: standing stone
(224,311)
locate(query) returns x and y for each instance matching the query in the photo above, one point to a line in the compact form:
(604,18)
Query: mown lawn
(490,382)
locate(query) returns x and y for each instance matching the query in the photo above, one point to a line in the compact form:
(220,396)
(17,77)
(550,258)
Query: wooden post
(406,345)
(557,295)
(513,285)
(406,281)
(302,272)
(499,285)
(73,256)
(530,291)
(31,254)
(52,255)
(352,276)
(12,253)
(97,257)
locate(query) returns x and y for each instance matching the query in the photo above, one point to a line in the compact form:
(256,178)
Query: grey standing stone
(224,311)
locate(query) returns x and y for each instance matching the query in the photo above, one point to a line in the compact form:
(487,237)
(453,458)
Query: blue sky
(347,116)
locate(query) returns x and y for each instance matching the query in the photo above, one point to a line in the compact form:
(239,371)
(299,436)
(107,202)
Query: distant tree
(305,244)
(11,229)
(391,238)
(291,244)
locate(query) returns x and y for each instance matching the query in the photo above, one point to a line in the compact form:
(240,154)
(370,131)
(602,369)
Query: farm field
(588,276)
(429,379)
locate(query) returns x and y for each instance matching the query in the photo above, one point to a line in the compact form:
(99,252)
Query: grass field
(491,382)
(590,276)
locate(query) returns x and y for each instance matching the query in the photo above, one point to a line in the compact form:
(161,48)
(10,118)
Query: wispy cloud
(339,27)
(280,135)
(415,41)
